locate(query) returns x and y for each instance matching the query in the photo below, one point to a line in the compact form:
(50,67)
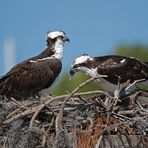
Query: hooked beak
(72,71)
(66,39)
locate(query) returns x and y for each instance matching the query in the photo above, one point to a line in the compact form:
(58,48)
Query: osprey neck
(58,49)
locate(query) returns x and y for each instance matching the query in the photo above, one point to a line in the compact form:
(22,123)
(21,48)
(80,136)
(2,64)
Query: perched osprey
(36,73)
(112,70)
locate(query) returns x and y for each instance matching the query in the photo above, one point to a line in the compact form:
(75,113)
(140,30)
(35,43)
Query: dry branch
(70,120)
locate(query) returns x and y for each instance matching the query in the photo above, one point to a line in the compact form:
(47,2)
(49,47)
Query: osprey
(36,73)
(112,70)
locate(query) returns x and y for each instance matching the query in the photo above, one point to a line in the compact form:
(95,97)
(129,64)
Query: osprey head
(83,63)
(54,35)
(55,43)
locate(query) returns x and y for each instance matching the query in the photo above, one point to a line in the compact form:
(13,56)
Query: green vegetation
(67,85)
(137,51)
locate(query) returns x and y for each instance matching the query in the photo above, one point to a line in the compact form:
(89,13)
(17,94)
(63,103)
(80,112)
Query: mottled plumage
(116,69)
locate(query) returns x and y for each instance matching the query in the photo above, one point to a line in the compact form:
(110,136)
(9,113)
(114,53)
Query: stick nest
(82,120)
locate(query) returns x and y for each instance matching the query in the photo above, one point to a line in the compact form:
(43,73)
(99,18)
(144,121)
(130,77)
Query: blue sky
(95,27)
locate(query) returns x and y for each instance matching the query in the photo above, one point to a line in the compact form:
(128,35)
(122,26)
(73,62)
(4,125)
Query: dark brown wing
(124,67)
(27,78)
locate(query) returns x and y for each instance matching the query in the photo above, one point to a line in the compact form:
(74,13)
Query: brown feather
(131,69)
(113,66)
(27,78)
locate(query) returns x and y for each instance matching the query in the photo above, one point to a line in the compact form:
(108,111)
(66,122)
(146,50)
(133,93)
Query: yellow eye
(60,37)
(76,66)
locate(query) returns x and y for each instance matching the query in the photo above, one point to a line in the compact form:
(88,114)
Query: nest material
(82,120)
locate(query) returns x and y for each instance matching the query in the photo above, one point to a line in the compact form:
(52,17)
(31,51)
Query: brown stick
(38,108)
(60,116)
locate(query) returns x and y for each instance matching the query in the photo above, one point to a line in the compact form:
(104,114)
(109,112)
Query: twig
(109,109)
(16,102)
(120,115)
(134,83)
(84,101)
(145,114)
(23,106)
(99,141)
(38,130)
(91,124)
(61,97)
(83,93)
(126,112)
(100,103)
(64,96)
(145,110)
(41,106)
(22,114)
(12,113)
(51,124)
(60,116)
(44,138)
